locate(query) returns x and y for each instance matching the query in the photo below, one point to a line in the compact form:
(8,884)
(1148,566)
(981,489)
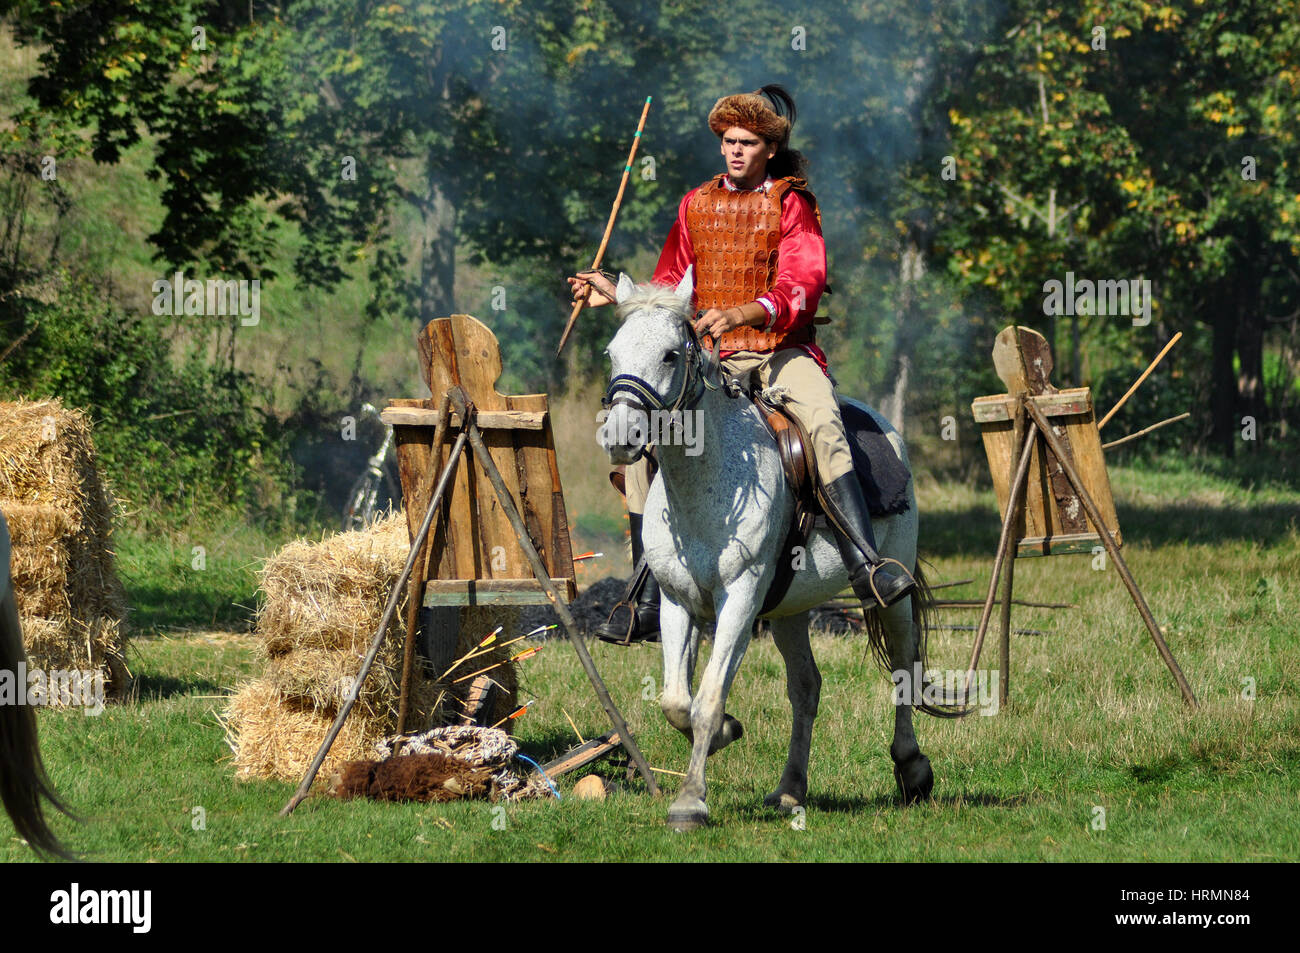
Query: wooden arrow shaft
(609,228)
(1137,383)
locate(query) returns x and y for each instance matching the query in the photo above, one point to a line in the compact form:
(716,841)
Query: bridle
(702,372)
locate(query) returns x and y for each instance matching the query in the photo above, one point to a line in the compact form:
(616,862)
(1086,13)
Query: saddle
(880,473)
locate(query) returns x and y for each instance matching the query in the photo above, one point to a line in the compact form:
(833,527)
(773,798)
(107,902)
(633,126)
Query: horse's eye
(670,357)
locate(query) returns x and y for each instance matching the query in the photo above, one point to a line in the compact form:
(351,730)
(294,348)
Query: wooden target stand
(494,532)
(1046,458)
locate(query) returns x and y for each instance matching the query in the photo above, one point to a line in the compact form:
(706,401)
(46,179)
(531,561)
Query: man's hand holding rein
(716,323)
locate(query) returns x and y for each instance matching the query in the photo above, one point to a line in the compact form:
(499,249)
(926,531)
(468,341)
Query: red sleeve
(801,268)
(678,253)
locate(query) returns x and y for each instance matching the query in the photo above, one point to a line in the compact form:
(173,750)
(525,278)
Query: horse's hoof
(915,779)
(783,802)
(687,820)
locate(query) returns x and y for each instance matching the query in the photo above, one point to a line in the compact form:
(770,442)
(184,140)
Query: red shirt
(801,263)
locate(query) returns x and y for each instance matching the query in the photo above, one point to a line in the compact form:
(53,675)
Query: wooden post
(1095,515)
(544,580)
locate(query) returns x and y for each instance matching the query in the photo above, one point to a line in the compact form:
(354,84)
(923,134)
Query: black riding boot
(873,580)
(645,618)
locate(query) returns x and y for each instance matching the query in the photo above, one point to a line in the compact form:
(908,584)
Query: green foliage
(185,436)
(1161,147)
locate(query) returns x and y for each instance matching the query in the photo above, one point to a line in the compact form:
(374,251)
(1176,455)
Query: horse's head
(656,364)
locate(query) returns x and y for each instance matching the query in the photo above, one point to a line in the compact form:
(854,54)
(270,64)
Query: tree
(1113,142)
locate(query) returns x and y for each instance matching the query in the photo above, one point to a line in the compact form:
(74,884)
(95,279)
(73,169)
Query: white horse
(715,521)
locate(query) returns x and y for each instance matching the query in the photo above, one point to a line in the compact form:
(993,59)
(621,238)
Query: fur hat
(751,111)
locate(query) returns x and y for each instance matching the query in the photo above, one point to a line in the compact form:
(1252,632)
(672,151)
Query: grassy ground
(1094,722)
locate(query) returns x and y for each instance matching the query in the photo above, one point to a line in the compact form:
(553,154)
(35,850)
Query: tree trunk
(1223,388)
(1250,375)
(437,255)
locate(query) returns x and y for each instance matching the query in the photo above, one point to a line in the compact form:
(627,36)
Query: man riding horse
(753,235)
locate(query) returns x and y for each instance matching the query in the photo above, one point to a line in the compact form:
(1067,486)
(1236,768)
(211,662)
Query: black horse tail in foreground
(23,782)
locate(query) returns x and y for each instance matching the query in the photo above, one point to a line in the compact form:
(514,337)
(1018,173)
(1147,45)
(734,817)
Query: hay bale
(330,594)
(60,513)
(95,646)
(276,737)
(321,604)
(323,679)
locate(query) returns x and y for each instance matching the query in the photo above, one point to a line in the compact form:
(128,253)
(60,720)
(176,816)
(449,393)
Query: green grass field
(1094,721)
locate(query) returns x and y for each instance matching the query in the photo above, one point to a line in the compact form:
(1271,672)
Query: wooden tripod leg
(1109,542)
(1008,530)
(1004,643)
(1008,583)
(544,580)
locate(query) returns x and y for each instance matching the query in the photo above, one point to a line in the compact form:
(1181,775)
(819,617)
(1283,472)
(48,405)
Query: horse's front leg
(711,727)
(803,685)
(679,637)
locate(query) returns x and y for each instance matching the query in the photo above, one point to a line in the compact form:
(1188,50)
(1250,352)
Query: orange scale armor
(736,236)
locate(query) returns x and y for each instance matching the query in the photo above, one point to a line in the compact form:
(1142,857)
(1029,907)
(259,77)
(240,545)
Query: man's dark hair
(787,161)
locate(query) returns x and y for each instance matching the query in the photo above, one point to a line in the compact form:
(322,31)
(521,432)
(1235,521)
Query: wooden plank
(414,451)
(493,592)
(1067,512)
(1057,545)
(561,544)
(461,557)
(522,584)
(1089,462)
(999,407)
(478,359)
(534,476)
(487,419)
(582,755)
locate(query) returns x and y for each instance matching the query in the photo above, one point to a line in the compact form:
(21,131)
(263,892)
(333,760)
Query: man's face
(746,154)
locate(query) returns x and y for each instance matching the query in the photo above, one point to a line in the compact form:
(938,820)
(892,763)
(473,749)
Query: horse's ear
(626,288)
(686,287)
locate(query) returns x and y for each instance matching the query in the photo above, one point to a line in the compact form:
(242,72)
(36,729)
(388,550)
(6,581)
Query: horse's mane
(650,298)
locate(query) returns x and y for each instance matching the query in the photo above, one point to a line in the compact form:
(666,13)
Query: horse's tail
(23,782)
(923,610)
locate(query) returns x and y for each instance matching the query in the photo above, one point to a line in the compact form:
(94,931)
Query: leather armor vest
(736,236)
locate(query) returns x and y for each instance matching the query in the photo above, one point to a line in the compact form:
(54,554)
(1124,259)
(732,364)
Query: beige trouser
(810,400)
